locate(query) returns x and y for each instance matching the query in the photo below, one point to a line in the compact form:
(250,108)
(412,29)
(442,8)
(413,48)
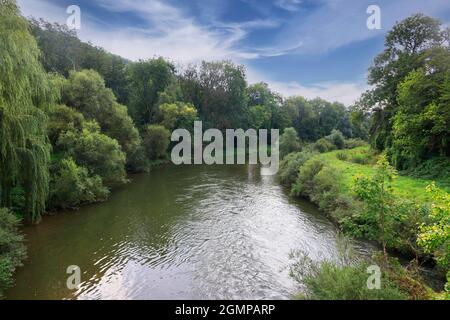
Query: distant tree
(218,90)
(155,141)
(63,52)
(289,142)
(178,116)
(147,80)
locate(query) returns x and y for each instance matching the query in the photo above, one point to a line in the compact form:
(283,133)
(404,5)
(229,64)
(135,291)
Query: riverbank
(341,183)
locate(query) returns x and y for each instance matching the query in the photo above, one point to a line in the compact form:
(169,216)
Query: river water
(193,232)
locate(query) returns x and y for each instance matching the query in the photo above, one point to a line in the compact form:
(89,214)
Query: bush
(360,158)
(323,145)
(342,156)
(333,281)
(354,143)
(156,140)
(337,139)
(325,189)
(71,186)
(290,166)
(289,142)
(304,184)
(63,119)
(12,248)
(97,152)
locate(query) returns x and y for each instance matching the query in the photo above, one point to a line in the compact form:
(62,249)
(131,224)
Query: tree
(377,194)
(147,80)
(218,90)
(289,142)
(100,154)
(63,52)
(86,92)
(405,47)
(178,115)
(265,107)
(156,141)
(25,92)
(421,126)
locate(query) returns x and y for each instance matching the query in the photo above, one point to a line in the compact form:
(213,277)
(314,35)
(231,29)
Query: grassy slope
(404,186)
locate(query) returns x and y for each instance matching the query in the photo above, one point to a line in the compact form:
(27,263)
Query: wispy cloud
(289,5)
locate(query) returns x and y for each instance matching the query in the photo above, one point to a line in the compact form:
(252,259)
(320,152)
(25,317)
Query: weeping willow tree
(25,92)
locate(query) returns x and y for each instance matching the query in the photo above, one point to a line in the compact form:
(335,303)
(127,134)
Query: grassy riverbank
(346,162)
(368,199)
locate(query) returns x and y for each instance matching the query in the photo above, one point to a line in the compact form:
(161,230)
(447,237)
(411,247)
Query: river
(192,232)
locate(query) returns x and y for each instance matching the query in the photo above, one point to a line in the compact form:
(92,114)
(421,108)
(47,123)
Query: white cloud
(289,5)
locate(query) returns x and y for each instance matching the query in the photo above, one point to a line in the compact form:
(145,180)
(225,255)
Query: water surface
(193,232)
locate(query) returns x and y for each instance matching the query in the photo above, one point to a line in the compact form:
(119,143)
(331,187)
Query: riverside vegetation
(75,120)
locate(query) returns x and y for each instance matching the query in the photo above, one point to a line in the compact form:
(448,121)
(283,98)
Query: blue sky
(300,47)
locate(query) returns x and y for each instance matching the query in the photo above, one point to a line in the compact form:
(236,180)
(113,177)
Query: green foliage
(219,91)
(377,194)
(342,156)
(290,166)
(289,142)
(25,91)
(323,145)
(336,138)
(156,139)
(434,236)
(421,125)
(97,152)
(147,80)
(12,248)
(410,116)
(354,143)
(341,280)
(178,116)
(86,92)
(61,120)
(63,52)
(71,186)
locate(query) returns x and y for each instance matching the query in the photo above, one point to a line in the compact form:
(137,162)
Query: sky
(312,48)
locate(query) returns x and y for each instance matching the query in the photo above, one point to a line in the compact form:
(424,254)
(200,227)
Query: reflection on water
(193,232)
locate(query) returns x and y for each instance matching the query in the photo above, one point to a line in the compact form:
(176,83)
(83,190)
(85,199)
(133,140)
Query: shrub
(12,248)
(97,152)
(63,119)
(71,186)
(337,139)
(342,156)
(156,140)
(341,280)
(323,145)
(289,142)
(354,143)
(290,166)
(304,184)
(360,158)
(325,188)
